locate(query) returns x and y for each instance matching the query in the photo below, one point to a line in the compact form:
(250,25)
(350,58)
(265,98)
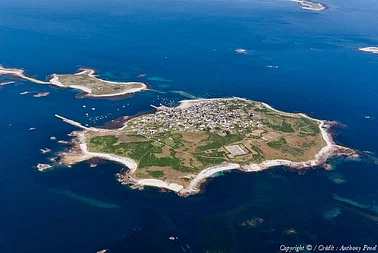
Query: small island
(85,80)
(241,51)
(43,166)
(41,94)
(373,50)
(312,6)
(178,148)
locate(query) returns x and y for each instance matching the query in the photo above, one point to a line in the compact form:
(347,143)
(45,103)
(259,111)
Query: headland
(178,148)
(85,80)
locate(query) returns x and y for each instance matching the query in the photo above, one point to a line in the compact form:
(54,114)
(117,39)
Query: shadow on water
(364,211)
(83,199)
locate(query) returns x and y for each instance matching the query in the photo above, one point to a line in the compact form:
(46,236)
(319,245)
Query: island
(373,50)
(41,94)
(85,80)
(43,166)
(312,6)
(178,148)
(241,51)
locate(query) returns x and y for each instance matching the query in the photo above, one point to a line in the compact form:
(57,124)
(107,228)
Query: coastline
(329,150)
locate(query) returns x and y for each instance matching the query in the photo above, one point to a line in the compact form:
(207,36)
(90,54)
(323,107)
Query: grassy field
(277,144)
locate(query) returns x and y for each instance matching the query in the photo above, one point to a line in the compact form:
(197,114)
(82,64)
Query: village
(223,116)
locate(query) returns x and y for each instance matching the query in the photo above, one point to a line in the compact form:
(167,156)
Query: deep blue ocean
(187,45)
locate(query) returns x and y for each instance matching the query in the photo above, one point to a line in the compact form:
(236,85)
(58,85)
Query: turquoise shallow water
(191,44)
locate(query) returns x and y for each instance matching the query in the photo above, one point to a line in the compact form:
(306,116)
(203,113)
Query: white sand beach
(160,184)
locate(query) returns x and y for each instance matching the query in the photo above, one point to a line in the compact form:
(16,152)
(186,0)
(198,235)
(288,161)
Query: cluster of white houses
(221,116)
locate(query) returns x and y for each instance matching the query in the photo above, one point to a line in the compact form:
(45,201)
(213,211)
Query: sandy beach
(330,149)
(196,182)
(160,184)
